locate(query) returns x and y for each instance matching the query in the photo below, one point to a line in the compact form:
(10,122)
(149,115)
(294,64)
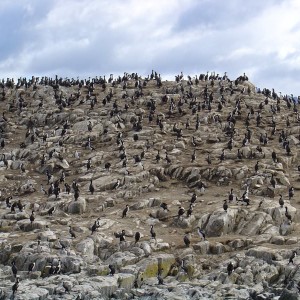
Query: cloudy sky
(96,37)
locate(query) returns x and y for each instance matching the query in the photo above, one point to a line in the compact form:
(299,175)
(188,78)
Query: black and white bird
(291,192)
(230,268)
(95,226)
(112,270)
(181,212)
(281,201)
(292,257)
(15,286)
(152,232)
(225,205)
(72,233)
(31,218)
(164,206)
(57,268)
(14,268)
(201,233)
(137,237)
(31,267)
(287,214)
(186,240)
(91,187)
(116,185)
(51,211)
(194,198)
(125,211)
(273,181)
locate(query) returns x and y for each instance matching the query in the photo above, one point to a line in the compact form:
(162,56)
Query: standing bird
(273,181)
(229,268)
(95,226)
(256,167)
(88,164)
(190,210)
(125,211)
(181,212)
(287,214)
(72,233)
(137,237)
(281,202)
(116,185)
(51,211)
(31,267)
(193,156)
(194,198)
(57,269)
(291,192)
(187,240)
(15,286)
(91,187)
(31,218)
(291,259)
(231,195)
(152,232)
(112,270)
(14,268)
(157,157)
(225,205)
(201,233)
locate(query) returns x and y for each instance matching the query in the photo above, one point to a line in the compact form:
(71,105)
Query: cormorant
(288,216)
(125,211)
(72,233)
(225,205)
(201,233)
(31,267)
(229,268)
(137,237)
(291,259)
(152,232)
(186,240)
(14,268)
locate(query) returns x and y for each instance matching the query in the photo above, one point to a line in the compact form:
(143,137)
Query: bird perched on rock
(201,233)
(225,205)
(164,206)
(95,226)
(57,268)
(287,214)
(152,232)
(281,202)
(91,187)
(15,286)
(72,233)
(31,218)
(112,270)
(229,268)
(31,267)
(194,198)
(116,185)
(291,192)
(125,211)
(181,212)
(51,211)
(159,277)
(14,268)
(137,237)
(292,257)
(186,240)
(273,181)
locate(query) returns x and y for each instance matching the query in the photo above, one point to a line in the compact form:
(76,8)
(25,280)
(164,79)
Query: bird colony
(135,187)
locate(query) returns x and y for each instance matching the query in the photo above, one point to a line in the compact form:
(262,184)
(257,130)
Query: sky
(84,38)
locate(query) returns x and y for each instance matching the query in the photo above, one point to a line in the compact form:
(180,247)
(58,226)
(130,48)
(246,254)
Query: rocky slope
(75,153)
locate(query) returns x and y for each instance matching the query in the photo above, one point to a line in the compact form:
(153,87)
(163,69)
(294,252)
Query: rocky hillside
(141,188)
